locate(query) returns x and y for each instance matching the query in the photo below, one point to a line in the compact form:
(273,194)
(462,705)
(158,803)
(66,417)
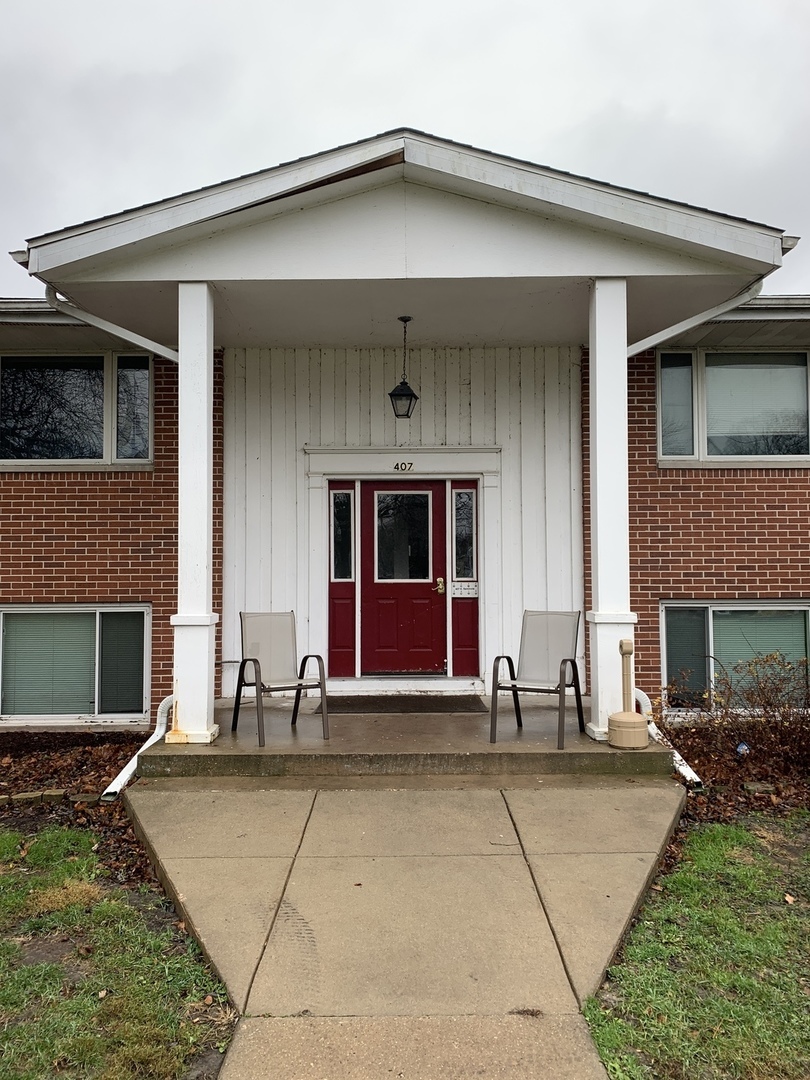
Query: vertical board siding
(526,401)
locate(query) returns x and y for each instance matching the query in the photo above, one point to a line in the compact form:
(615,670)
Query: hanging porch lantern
(403,398)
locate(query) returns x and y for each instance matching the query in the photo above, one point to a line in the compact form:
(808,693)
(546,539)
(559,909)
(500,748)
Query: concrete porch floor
(391,744)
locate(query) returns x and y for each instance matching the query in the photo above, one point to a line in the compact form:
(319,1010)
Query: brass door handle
(439,586)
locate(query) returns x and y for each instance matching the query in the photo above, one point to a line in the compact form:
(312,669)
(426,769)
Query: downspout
(686,771)
(119,783)
(111,328)
(695,320)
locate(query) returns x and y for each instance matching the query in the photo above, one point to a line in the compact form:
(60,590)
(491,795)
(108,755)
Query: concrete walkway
(409,927)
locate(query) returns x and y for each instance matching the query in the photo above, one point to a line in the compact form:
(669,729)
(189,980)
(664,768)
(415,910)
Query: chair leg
(578,696)
(324,705)
(240,685)
(296,704)
(518,715)
(493,711)
(561,708)
(259,702)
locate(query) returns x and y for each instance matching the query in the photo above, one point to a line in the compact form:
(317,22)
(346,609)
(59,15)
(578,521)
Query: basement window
(733,408)
(75,409)
(702,640)
(77,663)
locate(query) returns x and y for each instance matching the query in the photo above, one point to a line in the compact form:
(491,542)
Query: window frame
(700,456)
(709,607)
(127,719)
(109,461)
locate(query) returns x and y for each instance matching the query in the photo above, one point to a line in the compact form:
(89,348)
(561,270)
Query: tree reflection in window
(132,409)
(403,536)
(464,532)
(52,409)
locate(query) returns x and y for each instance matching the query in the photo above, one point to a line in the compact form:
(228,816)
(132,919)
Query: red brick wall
(108,537)
(701,534)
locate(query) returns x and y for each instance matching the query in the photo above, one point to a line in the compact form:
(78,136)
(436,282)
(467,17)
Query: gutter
(111,793)
(75,312)
(695,320)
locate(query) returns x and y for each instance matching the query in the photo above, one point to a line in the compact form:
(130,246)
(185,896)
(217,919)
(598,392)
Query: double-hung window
(75,662)
(732,407)
(701,640)
(75,409)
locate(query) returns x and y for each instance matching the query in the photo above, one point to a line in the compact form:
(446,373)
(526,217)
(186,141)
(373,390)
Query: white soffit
(436,163)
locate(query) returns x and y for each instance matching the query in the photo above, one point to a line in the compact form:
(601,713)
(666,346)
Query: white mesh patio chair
(268,646)
(546,665)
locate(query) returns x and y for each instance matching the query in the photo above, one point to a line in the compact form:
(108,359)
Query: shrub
(762,707)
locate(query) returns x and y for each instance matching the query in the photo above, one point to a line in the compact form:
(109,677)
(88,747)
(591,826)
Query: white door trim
(378,463)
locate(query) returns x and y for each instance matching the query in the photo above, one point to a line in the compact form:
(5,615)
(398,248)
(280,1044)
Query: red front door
(403,616)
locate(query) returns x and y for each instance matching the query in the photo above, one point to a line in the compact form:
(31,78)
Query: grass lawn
(96,982)
(714,979)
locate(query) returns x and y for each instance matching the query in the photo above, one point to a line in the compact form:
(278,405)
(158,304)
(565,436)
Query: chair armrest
(257,672)
(319,660)
(496,677)
(563,671)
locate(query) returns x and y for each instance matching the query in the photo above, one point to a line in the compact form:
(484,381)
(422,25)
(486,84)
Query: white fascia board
(601,203)
(588,200)
(96,238)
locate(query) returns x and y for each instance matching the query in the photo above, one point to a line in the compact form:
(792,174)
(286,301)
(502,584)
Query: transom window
(715,406)
(702,639)
(76,662)
(75,408)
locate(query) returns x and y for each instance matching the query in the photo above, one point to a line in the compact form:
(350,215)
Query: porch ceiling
(448,311)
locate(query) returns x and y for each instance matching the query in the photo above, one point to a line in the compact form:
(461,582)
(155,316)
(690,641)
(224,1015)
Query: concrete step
(400,744)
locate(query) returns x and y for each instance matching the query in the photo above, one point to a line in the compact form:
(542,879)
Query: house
(197,422)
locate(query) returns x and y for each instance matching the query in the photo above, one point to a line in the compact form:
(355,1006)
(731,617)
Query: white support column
(195,623)
(611,618)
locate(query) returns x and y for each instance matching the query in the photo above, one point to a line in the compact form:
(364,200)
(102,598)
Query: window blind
(49,663)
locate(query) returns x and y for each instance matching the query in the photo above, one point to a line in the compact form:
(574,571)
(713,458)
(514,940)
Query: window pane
(741,635)
(403,540)
(132,409)
(677,436)
(342,553)
(687,663)
(51,408)
(464,533)
(49,663)
(121,659)
(757,404)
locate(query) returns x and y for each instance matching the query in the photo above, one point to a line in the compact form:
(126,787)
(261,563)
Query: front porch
(398,744)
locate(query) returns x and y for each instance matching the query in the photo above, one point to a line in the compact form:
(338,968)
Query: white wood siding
(524,401)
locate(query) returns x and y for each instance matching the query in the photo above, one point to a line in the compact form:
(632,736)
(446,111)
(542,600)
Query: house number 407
(403,466)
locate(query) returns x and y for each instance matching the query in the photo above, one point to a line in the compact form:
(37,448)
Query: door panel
(403,610)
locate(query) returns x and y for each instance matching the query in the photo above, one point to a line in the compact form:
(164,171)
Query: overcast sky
(107,105)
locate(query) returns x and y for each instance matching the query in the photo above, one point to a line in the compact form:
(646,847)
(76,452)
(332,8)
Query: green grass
(714,979)
(91,985)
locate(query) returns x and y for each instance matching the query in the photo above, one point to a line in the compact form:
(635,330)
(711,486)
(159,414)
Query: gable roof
(442,163)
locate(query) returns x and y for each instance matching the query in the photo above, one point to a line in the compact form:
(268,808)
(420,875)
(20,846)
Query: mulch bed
(79,763)
(83,762)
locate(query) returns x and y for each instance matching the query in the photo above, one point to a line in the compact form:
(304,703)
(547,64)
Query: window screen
(121,659)
(687,649)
